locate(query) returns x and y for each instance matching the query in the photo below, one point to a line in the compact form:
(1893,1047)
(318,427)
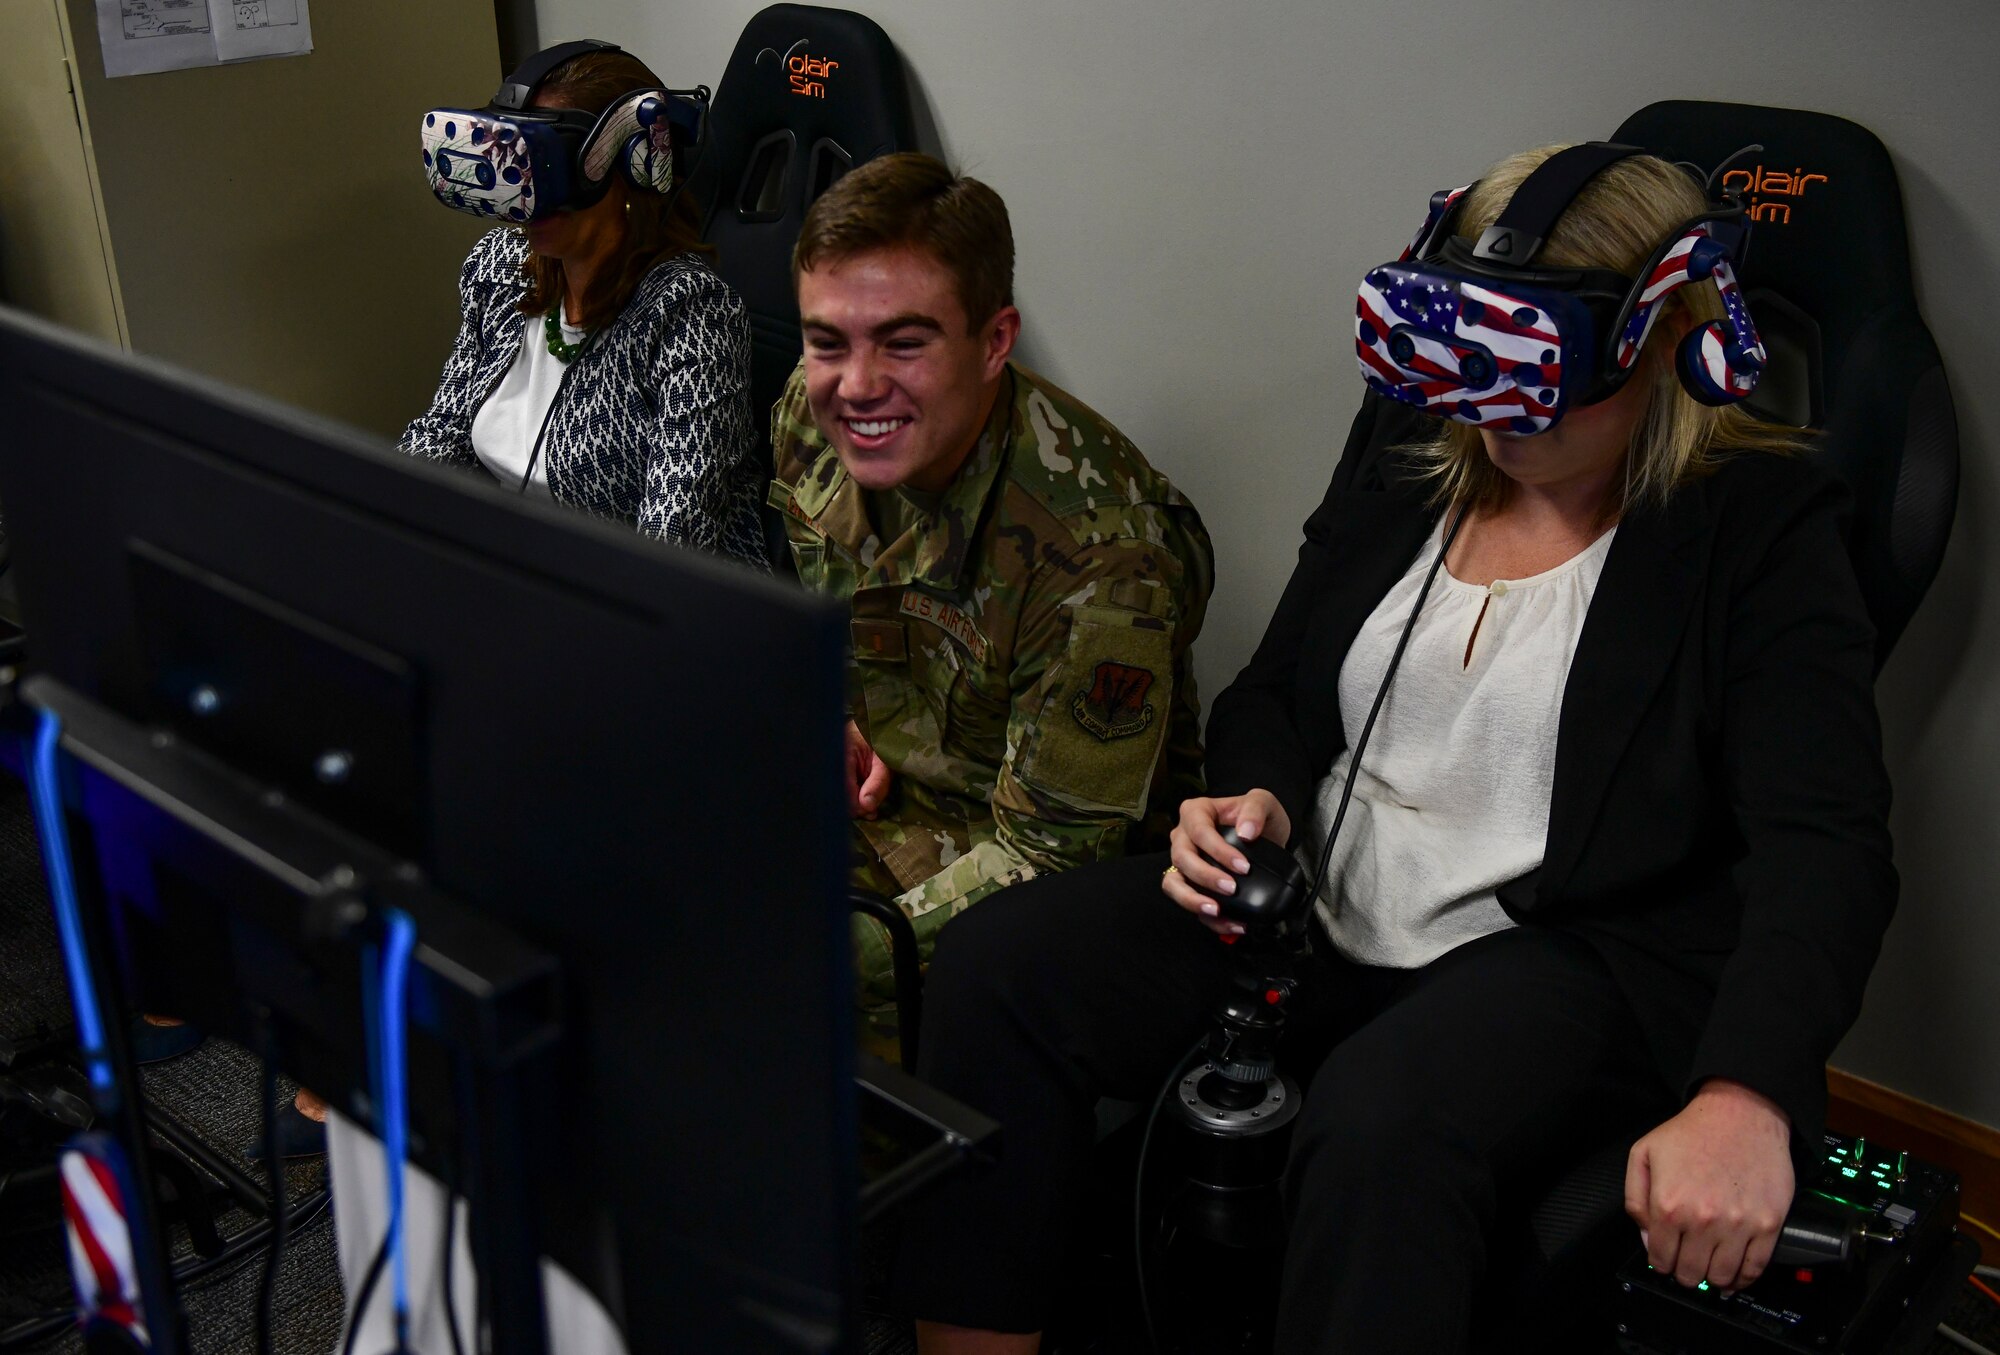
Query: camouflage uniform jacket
(1021,648)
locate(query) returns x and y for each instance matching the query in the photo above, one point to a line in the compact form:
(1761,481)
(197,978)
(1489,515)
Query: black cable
(444,1262)
(279,1212)
(1319,879)
(1715,175)
(253,1237)
(1381,695)
(1961,1340)
(36,1329)
(237,1254)
(1139,1191)
(374,1276)
(535,452)
(482,1303)
(681,182)
(467,1164)
(367,1292)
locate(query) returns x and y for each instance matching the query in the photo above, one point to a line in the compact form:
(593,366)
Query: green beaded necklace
(552,331)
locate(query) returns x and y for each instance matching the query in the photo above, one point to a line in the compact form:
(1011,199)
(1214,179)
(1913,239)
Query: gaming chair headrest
(1828,277)
(1828,232)
(808,94)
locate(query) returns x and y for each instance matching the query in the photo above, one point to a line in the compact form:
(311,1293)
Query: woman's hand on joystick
(1203,861)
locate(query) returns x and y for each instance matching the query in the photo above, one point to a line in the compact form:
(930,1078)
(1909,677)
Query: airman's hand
(867,775)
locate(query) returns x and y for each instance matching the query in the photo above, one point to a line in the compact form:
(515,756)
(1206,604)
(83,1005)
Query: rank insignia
(1115,706)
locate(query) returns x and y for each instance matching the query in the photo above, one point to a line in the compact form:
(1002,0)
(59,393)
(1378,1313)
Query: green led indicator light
(1703,1286)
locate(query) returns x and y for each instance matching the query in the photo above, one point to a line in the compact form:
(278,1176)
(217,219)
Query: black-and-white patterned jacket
(652,425)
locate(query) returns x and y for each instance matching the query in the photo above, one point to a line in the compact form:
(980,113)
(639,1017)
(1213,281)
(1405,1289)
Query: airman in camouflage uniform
(1021,651)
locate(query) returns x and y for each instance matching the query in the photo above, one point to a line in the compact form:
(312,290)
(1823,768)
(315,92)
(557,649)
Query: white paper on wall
(139,37)
(245,29)
(142,36)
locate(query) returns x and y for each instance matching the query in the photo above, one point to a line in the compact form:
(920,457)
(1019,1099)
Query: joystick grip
(1275,892)
(1814,1235)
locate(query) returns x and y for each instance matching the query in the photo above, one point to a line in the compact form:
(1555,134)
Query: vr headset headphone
(1478,333)
(521,164)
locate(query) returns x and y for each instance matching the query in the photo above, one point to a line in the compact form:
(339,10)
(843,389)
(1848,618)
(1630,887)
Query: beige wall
(267,222)
(52,258)
(1196,187)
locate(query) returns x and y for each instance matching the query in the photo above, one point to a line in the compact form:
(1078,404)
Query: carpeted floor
(214,1091)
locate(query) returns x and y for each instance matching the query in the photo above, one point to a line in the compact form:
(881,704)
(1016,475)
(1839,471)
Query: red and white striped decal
(1671,272)
(100,1243)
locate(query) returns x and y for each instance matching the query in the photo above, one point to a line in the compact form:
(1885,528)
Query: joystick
(1275,892)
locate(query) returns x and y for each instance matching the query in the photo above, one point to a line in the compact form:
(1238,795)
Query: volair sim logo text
(1760,187)
(806,73)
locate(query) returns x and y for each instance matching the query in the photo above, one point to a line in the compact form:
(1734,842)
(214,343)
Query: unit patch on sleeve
(1095,741)
(1114,706)
(946,618)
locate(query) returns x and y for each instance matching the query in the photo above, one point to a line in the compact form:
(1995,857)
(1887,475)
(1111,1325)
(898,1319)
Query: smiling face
(898,381)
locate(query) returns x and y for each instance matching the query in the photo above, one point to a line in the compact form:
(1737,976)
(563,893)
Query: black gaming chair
(1828,280)
(808,94)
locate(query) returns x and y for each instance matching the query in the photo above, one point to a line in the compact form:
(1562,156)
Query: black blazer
(1718,826)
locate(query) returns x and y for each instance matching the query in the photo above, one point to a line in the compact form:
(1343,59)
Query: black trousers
(1429,1091)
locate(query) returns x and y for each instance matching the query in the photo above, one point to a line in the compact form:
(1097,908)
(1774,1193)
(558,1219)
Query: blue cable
(45,789)
(393,1030)
(386,1042)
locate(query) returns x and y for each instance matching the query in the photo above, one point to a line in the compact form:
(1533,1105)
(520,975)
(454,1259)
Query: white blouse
(1453,795)
(508,421)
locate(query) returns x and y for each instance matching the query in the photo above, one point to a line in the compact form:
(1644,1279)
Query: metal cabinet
(266,222)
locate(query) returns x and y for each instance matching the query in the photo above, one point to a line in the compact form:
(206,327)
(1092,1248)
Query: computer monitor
(296,665)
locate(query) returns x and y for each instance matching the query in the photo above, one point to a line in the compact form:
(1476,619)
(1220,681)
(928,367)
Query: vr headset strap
(1517,236)
(519,86)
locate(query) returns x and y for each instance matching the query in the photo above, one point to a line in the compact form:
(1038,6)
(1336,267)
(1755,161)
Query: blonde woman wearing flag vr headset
(1618,859)
(600,362)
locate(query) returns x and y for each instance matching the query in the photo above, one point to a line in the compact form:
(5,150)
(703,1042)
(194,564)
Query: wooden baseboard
(1858,1106)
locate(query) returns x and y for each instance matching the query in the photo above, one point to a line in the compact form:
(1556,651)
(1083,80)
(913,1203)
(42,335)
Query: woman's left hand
(1710,1188)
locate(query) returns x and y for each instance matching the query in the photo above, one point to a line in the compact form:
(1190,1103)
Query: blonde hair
(1616,222)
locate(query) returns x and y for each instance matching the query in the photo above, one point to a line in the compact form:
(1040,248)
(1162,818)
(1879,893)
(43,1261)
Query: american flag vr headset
(520,164)
(1477,333)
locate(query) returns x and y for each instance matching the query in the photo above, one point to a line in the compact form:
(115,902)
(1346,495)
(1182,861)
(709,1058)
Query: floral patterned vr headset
(1478,333)
(520,164)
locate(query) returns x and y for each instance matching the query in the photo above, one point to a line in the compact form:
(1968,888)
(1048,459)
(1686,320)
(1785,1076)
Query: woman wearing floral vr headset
(1616,856)
(599,361)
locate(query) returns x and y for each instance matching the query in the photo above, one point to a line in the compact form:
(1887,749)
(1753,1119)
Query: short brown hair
(913,201)
(657,225)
